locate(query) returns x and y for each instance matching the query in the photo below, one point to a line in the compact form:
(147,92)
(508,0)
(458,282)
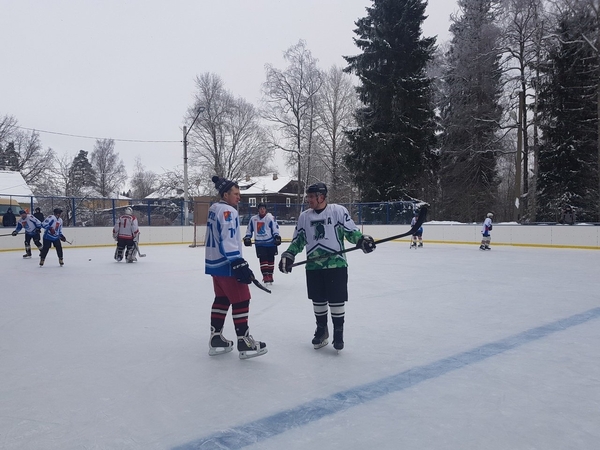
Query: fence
(102,212)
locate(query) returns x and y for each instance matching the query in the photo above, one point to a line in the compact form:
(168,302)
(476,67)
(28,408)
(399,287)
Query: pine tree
(81,174)
(390,147)
(471,114)
(568,158)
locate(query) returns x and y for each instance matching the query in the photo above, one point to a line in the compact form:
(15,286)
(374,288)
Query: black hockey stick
(9,234)
(413,229)
(260,286)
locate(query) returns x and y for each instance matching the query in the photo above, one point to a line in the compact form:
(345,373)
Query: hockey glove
(366,243)
(63,238)
(490,227)
(241,271)
(286,262)
(248,241)
(277,240)
(115,236)
(14,233)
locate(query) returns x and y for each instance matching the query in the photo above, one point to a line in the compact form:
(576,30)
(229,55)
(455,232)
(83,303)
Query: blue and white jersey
(487,226)
(264,229)
(413,222)
(52,227)
(30,224)
(223,241)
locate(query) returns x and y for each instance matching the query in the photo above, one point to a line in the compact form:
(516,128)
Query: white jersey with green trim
(322,233)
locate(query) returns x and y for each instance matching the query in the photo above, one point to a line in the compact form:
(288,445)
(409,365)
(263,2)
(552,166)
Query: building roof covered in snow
(268,184)
(12,184)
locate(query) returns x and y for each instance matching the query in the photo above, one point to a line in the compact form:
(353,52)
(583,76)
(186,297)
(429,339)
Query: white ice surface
(447,347)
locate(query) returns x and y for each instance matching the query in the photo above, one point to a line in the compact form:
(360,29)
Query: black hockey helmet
(57,211)
(317,188)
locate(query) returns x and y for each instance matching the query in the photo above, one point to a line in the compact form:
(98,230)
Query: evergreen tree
(568,158)
(81,174)
(471,114)
(390,148)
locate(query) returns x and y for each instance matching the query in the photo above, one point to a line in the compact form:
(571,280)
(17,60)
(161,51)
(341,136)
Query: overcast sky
(125,69)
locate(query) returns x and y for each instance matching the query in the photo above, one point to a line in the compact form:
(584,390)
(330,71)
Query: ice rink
(446,347)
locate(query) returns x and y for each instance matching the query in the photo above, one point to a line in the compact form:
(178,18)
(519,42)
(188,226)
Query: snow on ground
(447,347)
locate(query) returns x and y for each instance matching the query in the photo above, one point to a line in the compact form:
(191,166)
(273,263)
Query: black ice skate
(217,344)
(27,255)
(321,336)
(61,262)
(249,348)
(482,247)
(41,262)
(420,244)
(487,247)
(338,338)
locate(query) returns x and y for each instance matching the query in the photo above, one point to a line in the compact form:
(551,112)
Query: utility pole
(518,162)
(185,165)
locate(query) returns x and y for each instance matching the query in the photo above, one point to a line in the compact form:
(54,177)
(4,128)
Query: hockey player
(322,229)
(32,227)
(126,233)
(266,239)
(418,236)
(485,231)
(52,226)
(230,274)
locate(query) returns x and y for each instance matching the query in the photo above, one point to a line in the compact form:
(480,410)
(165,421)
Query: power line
(92,137)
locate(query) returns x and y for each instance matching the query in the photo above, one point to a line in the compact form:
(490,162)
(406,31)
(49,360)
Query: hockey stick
(9,234)
(413,229)
(260,286)
(137,247)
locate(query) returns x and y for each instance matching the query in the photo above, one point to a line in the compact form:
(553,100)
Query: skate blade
(321,345)
(253,353)
(212,351)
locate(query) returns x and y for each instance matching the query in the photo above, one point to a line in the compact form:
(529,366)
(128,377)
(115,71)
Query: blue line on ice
(263,429)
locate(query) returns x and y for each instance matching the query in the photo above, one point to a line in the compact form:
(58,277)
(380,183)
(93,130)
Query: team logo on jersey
(227,216)
(260,228)
(319,226)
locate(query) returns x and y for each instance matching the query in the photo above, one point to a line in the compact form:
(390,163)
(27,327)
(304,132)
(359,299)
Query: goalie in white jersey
(265,229)
(322,230)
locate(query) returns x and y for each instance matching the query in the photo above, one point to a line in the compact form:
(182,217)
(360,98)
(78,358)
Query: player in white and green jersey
(322,229)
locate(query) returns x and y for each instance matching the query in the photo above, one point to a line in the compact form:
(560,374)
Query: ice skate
(42,262)
(249,348)
(482,247)
(413,245)
(338,338)
(217,344)
(61,262)
(487,247)
(321,336)
(27,255)
(420,244)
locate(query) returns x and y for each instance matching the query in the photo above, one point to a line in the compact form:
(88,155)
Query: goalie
(127,234)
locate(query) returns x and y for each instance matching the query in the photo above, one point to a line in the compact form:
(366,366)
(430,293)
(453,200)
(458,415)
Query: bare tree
(109,168)
(338,101)
(227,139)
(289,102)
(143,182)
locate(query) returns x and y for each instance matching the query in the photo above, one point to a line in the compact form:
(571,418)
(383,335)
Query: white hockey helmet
(128,210)
(490,215)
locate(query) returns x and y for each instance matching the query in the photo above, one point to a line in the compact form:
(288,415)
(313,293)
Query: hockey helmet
(22,212)
(128,210)
(490,215)
(57,211)
(317,188)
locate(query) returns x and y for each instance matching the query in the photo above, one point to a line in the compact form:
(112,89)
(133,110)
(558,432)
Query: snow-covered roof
(12,184)
(166,193)
(263,185)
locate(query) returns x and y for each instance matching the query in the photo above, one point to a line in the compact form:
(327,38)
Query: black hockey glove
(248,241)
(285,264)
(366,243)
(63,238)
(490,227)
(241,271)
(14,233)
(277,240)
